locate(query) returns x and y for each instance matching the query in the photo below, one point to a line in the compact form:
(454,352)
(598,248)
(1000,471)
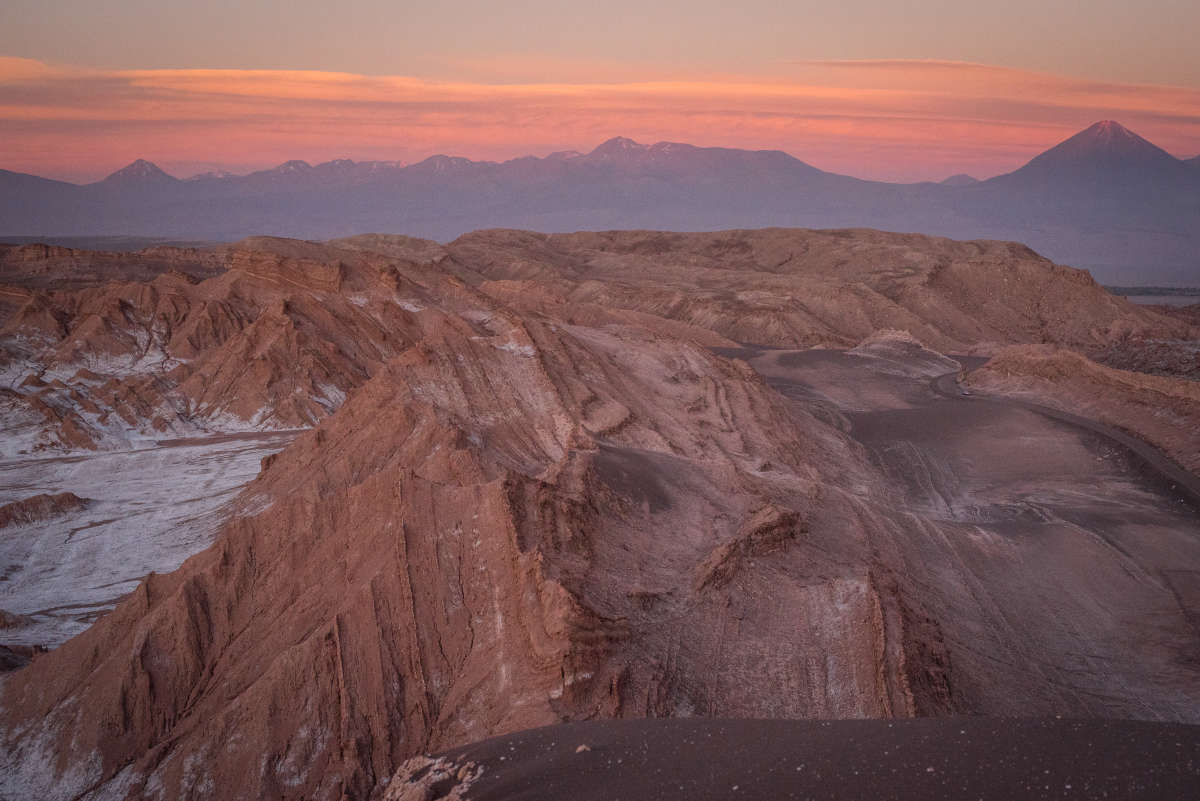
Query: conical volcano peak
(1104,147)
(1109,128)
(140,171)
(1112,135)
(1108,138)
(141,167)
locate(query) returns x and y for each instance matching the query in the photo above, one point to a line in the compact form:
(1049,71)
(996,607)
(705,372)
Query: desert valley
(521,478)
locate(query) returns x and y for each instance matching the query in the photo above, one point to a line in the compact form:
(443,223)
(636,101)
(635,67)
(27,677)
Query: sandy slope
(946,759)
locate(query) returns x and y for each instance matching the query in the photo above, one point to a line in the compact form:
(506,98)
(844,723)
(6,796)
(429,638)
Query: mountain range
(1105,199)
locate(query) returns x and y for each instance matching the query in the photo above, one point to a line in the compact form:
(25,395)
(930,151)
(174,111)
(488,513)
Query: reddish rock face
(55,267)
(284,329)
(789,288)
(274,342)
(39,507)
(516,518)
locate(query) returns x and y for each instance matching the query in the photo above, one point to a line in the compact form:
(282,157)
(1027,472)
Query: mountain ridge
(1104,135)
(1105,200)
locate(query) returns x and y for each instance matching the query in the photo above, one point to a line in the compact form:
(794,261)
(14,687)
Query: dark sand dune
(1037,513)
(964,759)
(1182,485)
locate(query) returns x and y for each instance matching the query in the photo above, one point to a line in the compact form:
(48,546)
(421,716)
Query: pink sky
(879,119)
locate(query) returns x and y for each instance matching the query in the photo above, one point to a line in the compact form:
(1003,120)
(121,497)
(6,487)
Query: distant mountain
(212,175)
(961,179)
(37,206)
(18,185)
(1194,161)
(1104,153)
(138,175)
(1105,199)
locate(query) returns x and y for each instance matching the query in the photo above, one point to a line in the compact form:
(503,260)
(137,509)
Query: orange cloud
(895,120)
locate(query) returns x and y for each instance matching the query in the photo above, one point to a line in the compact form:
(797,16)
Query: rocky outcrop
(10,621)
(283,330)
(423,778)
(767,530)
(39,507)
(1166,357)
(14,657)
(56,267)
(455,554)
(900,353)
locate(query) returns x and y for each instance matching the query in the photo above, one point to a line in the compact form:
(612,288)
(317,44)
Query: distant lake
(1165,300)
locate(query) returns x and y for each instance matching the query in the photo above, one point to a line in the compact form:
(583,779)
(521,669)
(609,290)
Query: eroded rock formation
(274,342)
(790,288)
(520,516)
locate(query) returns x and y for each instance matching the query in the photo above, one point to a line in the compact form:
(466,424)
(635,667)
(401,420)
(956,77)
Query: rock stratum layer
(544,499)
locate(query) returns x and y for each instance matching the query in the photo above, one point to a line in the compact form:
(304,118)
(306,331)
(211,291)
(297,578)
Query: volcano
(1106,152)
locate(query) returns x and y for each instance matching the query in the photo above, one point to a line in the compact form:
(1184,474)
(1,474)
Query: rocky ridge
(796,288)
(523,464)
(275,341)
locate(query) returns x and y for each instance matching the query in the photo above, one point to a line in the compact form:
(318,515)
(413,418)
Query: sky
(882,90)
